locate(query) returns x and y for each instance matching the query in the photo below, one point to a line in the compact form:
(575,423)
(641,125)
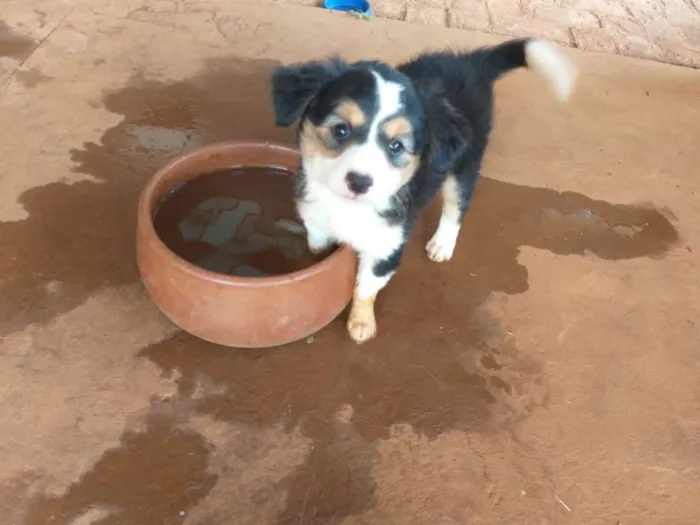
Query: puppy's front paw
(362,326)
(441,247)
(318,243)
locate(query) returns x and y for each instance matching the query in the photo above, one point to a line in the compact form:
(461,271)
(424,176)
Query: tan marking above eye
(351,112)
(314,142)
(397,127)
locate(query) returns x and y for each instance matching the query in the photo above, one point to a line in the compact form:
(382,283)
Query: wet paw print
(493,367)
(518,383)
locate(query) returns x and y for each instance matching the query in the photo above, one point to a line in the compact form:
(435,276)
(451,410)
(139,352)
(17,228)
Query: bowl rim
(145,221)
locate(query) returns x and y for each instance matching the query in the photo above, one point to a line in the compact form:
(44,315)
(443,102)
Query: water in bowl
(240,221)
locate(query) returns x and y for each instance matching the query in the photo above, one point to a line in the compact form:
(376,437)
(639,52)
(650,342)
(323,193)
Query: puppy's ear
(450,133)
(294,86)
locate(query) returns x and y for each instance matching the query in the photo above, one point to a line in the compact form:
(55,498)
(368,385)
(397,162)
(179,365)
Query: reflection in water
(237,222)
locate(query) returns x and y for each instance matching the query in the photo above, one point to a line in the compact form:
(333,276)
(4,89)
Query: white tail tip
(544,59)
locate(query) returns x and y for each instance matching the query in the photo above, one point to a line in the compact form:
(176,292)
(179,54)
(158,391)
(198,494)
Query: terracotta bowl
(228,310)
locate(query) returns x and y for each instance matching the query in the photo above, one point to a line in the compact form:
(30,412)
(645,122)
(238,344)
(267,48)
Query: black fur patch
(456,92)
(293,87)
(390,264)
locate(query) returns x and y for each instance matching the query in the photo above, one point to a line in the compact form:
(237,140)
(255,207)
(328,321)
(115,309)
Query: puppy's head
(364,131)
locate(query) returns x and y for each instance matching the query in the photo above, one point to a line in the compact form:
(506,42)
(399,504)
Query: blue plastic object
(358,6)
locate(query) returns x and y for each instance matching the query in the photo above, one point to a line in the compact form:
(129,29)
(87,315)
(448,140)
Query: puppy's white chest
(354,224)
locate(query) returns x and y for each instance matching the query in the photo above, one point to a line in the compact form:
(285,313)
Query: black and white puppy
(378,143)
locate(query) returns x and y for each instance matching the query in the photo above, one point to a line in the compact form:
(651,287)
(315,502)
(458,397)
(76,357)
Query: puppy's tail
(539,56)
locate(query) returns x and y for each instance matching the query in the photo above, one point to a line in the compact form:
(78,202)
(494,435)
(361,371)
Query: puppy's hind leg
(456,193)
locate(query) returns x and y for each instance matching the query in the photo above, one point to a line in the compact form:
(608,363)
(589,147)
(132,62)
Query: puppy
(378,143)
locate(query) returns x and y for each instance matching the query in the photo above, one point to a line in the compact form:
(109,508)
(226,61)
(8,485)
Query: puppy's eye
(396,147)
(340,131)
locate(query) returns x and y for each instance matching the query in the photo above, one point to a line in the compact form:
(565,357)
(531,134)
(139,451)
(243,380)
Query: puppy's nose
(357,182)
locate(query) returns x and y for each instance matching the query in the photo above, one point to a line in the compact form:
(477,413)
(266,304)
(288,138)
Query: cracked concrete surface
(547,375)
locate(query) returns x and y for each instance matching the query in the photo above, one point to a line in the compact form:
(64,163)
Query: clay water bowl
(244,312)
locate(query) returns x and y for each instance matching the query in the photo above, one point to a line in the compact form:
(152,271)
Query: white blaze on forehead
(369,157)
(388,102)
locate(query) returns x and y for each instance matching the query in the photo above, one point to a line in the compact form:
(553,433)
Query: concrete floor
(547,375)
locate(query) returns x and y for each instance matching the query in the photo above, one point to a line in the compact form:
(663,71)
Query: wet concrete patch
(156,476)
(13,44)
(83,235)
(250,463)
(334,482)
(439,363)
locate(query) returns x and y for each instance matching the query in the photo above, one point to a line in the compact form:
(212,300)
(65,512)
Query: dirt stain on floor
(32,77)
(14,44)
(438,364)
